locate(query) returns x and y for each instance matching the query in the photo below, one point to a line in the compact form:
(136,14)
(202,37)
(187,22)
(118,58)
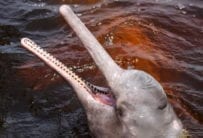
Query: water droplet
(98,24)
(79,14)
(183,12)
(75,5)
(180,6)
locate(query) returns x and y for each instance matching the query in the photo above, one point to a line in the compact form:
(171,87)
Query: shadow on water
(163,38)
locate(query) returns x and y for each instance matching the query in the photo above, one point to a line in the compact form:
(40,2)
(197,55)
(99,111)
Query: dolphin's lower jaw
(99,94)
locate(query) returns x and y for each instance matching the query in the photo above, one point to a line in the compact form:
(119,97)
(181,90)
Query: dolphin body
(135,104)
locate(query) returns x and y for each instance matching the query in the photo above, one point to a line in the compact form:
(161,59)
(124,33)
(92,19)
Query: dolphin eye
(163,106)
(120,111)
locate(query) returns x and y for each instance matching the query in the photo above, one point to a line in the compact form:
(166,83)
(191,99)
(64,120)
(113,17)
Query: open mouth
(101,94)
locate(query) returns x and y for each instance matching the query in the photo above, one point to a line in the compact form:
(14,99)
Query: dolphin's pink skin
(135,105)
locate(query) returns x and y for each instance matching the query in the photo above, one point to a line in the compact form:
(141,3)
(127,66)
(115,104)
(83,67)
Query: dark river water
(161,37)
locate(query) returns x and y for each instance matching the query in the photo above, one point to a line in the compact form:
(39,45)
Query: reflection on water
(161,37)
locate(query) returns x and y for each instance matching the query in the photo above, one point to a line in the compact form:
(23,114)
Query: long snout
(103,60)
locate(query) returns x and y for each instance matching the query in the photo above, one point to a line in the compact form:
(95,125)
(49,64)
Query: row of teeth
(48,56)
(94,89)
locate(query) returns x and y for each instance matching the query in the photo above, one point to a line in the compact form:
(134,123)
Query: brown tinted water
(161,37)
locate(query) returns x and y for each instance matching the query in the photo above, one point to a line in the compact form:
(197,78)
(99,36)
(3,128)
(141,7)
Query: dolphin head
(142,106)
(134,105)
